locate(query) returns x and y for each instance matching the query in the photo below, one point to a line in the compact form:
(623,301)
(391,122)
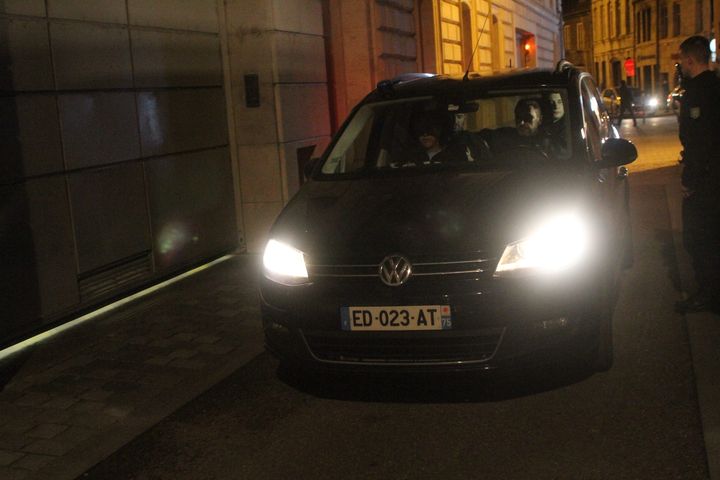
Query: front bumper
(497,324)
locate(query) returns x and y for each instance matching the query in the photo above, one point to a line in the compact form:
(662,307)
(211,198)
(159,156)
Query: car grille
(419,268)
(479,346)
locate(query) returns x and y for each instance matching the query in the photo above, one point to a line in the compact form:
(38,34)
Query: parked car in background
(496,249)
(644,105)
(674,99)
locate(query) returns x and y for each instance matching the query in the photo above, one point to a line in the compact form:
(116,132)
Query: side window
(593,119)
(350,151)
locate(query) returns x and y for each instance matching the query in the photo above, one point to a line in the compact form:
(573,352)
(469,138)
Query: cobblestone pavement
(656,139)
(82,394)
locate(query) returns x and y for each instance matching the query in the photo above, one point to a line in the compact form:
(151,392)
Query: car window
(431,132)
(597,126)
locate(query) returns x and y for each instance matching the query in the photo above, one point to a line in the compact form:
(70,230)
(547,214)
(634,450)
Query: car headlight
(652,102)
(284,264)
(558,244)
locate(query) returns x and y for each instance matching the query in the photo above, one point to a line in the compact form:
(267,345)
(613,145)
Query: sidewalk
(704,334)
(82,394)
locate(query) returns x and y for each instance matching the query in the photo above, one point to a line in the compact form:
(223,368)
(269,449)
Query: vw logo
(395,270)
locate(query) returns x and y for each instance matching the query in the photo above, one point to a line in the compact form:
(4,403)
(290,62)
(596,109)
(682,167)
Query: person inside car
(554,121)
(432,131)
(428,131)
(528,117)
(527,131)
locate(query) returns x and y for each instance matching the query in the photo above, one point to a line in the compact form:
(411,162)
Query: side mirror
(616,152)
(309,167)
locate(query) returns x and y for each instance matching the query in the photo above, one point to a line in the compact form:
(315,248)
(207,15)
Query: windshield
(412,134)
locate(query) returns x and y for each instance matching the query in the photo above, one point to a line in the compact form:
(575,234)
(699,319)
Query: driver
(527,132)
(528,117)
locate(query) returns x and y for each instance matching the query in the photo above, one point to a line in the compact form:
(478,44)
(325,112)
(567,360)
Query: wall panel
(191,205)
(54,245)
(29,136)
(26,62)
(178,120)
(174,59)
(111,11)
(191,15)
(110,215)
(89,56)
(99,128)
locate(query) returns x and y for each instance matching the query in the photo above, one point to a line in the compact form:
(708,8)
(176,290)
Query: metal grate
(435,349)
(420,268)
(113,279)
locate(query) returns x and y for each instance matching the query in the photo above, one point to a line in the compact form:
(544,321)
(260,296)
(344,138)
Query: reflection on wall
(115,168)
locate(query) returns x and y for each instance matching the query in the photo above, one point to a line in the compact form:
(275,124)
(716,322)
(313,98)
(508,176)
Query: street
(639,420)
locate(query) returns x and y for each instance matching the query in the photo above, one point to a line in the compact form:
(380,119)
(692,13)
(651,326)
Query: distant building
(578,34)
(647,32)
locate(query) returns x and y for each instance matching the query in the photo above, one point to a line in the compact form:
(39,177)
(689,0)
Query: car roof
(413,85)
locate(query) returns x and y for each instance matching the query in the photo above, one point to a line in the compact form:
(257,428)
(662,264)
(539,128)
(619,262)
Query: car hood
(423,215)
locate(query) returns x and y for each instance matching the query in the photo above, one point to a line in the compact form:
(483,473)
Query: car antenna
(472,55)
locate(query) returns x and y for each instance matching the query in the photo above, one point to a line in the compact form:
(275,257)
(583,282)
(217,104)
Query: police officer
(700,138)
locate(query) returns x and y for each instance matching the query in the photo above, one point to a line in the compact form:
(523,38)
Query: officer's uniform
(700,138)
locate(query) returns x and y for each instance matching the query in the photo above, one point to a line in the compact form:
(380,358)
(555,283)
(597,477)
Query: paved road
(639,420)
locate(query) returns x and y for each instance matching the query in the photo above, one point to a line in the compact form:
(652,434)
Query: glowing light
(282,260)
(713,50)
(173,237)
(558,244)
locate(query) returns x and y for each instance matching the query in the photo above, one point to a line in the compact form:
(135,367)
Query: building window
(566,37)
(603,20)
(617,18)
(466,32)
(580,36)
(628,19)
(647,25)
(676,19)
(698,16)
(663,27)
(638,26)
(596,31)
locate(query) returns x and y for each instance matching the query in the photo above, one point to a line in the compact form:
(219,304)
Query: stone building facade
(578,34)
(649,32)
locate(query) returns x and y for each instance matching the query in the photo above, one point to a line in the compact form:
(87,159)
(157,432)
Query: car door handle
(622,173)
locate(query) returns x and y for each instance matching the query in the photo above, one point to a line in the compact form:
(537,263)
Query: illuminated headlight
(284,264)
(558,244)
(652,102)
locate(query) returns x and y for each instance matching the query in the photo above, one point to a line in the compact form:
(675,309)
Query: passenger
(554,124)
(431,131)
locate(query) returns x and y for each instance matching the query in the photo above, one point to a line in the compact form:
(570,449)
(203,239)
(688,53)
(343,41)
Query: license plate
(417,317)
